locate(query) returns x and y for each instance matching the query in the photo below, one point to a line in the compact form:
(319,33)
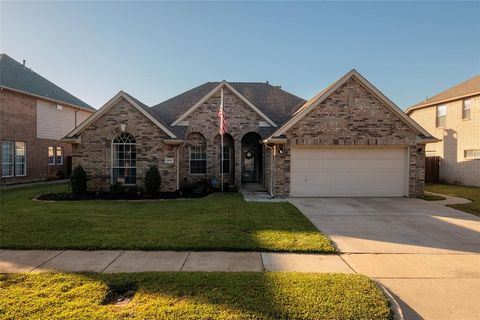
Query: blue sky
(156,50)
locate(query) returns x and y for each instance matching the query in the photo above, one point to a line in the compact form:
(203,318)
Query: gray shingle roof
(14,75)
(468,87)
(274,102)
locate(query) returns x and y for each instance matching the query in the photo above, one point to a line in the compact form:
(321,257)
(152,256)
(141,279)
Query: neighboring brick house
(454,117)
(349,140)
(34,115)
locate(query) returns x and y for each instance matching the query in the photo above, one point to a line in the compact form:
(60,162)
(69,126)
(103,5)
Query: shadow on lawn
(198,296)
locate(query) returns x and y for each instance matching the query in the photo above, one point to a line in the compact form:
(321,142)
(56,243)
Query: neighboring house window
(14,159)
(20,159)
(226,159)
(467,104)
(198,160)
(59,155)
(441,115)
(474,154)
(7,158)
(51,156)
(124,159)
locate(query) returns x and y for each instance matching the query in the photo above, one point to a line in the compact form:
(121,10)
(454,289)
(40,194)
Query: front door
(249,165)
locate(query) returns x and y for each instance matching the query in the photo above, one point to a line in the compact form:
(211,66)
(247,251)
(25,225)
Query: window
(124,159)
(467,104)
(59,155)
(7,158)
(226,159)
(474,154)
(441,115)
(198,160)
(51,156)
(20,159)
(14,159)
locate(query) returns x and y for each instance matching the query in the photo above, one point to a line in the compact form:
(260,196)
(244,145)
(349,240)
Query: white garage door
(348,172)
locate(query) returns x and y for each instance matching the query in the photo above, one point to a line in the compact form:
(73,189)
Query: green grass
(432,197)
(471,193)
(217,222)
(192,296)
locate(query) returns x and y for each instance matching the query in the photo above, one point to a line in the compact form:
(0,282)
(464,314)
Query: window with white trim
(51,156)
(472,154)
(441,115)
(20,159)
(59,155)
(467,105)
(198,160)
(14,159)
(7,158)
(124,159)
(226,160)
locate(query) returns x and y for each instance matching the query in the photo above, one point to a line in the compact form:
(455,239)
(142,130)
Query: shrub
(78,180)
(117,189)
(152,180)
(60,175)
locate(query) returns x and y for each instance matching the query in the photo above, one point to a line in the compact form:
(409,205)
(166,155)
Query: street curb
(394,305)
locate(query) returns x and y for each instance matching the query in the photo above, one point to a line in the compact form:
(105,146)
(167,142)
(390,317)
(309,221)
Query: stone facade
(351,116)
(18,122)
(94,152)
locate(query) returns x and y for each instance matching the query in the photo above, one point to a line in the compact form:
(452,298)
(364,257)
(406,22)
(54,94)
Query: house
(34,115)
(454,117)
(349,140)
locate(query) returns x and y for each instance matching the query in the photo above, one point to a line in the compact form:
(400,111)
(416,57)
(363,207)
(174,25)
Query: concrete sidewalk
(112,261)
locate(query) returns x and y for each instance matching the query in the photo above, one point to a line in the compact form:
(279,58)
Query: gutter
(429,104)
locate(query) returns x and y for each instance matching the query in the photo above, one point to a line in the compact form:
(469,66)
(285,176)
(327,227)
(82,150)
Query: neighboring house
(34,115)
(454,117)
(349,140)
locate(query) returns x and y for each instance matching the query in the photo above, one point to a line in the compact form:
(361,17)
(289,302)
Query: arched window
(124,159)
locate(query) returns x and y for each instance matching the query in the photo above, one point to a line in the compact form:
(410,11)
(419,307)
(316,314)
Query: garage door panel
(343,172)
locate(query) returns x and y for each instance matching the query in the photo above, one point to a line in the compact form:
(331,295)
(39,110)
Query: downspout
(272,150)
(178,169)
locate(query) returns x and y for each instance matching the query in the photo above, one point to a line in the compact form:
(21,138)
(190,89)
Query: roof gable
(16,77)
(144,109)
(274,103)
(319,98)
(215,90)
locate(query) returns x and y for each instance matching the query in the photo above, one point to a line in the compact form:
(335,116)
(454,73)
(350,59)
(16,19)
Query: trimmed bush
(152,180)
(78,180)
(117,189)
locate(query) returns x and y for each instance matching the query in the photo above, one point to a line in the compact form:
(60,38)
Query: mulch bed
(65,196)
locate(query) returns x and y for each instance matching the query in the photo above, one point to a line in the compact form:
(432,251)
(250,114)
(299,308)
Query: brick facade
(18,122)
(241,120)
(351,116)
(94,152)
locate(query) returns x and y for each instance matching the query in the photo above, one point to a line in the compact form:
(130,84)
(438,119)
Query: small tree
(78,180)
(152,180)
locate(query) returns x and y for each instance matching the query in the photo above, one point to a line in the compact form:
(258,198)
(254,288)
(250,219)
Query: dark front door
(249,165)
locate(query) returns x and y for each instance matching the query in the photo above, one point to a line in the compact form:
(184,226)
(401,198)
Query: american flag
(221,115)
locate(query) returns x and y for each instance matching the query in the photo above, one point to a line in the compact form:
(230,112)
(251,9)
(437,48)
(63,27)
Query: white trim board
(107,106)
(215,90)
(319,98)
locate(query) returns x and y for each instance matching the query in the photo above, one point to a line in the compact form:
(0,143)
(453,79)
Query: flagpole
(221,143)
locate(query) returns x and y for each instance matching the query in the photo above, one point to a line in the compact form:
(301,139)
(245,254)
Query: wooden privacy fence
(432,169)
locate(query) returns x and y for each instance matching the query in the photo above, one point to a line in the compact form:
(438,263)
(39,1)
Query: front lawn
(471,193)
(217,222)
(192,296)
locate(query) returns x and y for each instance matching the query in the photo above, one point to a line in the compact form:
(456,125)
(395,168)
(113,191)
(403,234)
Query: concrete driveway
(427,254)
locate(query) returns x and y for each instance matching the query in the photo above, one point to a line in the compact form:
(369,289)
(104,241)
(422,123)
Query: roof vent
(267,82)
(24,63)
